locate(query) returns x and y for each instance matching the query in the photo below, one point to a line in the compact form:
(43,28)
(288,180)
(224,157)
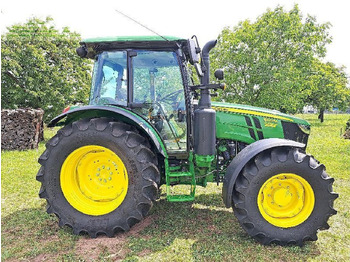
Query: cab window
(110,79)
(158,85)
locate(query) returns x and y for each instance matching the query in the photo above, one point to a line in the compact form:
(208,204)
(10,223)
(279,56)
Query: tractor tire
(283,196)
(98,176)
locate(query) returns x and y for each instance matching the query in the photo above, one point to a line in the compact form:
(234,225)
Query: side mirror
(81,51)
(193,51)
(219,74)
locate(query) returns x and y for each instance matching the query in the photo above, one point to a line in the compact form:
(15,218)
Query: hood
(258,111)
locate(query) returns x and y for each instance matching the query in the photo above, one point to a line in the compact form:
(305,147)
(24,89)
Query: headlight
(304,128)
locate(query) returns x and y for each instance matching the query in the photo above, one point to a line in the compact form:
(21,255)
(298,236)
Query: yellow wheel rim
(286,200)
(94,180)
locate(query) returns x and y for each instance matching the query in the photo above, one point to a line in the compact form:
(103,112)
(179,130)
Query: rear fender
(244,157)
(118,113)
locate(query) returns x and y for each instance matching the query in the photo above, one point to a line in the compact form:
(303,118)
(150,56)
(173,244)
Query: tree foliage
(327,87)
(275,62)
(40,69)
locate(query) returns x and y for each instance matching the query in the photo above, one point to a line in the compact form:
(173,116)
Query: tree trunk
(321,115)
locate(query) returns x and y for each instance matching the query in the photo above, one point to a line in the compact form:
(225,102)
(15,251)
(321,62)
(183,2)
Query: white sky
(182,18)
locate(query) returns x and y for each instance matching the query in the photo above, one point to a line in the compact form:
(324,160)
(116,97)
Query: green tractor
(148,125)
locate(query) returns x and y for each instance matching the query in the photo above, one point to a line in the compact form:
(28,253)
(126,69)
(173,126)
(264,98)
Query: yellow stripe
(244,111)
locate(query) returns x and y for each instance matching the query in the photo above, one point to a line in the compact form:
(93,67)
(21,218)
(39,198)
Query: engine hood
(257,111)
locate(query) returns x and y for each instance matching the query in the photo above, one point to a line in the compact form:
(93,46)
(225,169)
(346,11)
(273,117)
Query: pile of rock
(21,128)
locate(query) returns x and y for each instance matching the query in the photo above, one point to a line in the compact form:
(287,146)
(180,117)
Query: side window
(114,83)
(111,78)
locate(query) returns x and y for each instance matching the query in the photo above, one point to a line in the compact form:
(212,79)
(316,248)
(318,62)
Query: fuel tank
(204,126)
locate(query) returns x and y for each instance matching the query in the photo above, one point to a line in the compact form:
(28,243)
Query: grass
(202,230)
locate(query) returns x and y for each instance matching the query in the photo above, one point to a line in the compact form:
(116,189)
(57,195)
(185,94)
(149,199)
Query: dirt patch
(90,249)
(48,239)
(214,230)
(45,257)
(135,230)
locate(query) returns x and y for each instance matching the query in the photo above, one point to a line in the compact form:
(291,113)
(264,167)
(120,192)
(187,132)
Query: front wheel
(283,196)
(98,176)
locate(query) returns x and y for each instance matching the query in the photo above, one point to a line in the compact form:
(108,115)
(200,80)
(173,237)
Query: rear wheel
(283,196)
(98,176)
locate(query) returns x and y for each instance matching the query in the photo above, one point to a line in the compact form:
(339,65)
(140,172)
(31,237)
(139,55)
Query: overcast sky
(182,18)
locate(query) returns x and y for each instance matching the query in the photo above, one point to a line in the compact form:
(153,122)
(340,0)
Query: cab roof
(100,44)
(131,39)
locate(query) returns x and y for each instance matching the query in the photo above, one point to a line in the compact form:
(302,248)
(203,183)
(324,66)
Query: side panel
(246,128)
(116,112)
(243,158)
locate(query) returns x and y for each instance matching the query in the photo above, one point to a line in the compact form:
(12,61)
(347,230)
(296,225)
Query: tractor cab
(149,76)
(150,83)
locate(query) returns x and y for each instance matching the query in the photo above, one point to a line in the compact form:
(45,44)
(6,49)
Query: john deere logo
(269,122)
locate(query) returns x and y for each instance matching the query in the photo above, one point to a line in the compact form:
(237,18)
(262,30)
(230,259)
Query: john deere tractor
(147,124)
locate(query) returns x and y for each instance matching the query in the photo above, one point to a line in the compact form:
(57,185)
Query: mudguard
(118,113)
(243,158)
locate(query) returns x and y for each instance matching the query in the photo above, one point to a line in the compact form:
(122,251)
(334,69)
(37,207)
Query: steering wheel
(171,96)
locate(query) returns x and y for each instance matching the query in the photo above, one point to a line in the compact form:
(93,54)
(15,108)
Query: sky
(182,18)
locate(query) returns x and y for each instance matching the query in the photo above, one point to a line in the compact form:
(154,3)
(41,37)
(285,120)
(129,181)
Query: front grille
(293,132)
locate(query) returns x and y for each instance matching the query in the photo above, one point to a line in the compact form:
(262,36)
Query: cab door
(157,86)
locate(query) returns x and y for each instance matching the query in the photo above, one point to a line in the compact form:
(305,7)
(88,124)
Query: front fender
(118,113)
(243,158)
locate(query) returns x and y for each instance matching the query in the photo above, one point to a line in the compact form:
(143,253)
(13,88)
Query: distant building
(309,110)
(335,110)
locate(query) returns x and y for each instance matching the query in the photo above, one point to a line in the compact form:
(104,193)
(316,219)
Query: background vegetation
(40,69)
(202,230)
(277,62)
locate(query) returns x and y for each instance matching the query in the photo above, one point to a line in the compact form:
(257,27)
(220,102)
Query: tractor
(150,121)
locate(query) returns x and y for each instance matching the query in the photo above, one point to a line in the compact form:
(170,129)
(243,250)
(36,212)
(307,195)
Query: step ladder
(172,177)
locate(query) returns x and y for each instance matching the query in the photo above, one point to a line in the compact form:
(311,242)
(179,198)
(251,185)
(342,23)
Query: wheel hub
(286,200)
(94,180)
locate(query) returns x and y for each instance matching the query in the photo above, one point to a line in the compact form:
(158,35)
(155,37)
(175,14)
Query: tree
(39,67)
(270,62)
(328,88)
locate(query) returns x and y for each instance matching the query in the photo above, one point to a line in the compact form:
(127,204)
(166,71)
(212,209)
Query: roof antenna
(154,32)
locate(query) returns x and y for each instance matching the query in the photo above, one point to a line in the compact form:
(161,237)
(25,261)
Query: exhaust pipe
(204,115)
(205,101)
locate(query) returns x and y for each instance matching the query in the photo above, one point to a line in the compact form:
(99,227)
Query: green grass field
(203,230)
